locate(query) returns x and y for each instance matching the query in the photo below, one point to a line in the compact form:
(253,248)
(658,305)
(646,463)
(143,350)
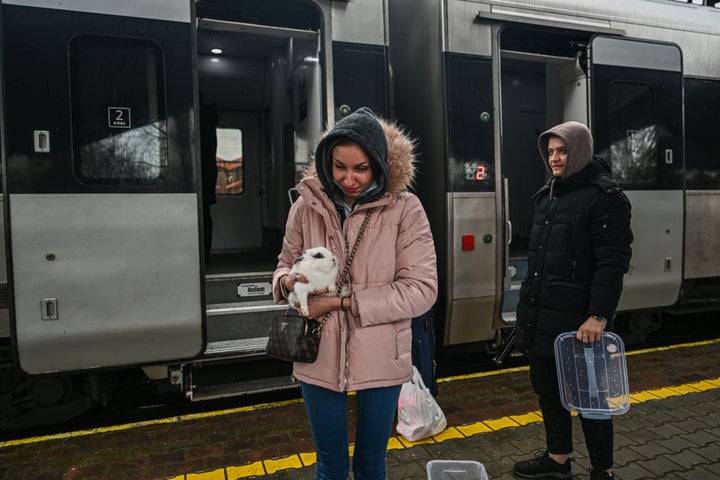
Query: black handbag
(295,338)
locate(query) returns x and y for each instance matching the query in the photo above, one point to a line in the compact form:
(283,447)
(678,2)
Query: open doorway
(543,83)
(259,73)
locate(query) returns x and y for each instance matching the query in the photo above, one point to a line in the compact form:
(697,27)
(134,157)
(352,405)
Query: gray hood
(363,127)
(579,144)
(388,145)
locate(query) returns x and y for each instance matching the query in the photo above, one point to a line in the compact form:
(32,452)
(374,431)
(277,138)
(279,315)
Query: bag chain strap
(346,271)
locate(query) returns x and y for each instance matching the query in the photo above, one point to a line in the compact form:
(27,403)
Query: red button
(468,242)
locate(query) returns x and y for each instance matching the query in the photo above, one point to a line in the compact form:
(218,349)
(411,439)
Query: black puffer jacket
(578,253)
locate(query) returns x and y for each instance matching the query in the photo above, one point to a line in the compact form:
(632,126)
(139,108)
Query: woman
(361,163)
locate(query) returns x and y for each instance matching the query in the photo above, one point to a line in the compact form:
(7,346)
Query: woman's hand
(591,330)
(291,279)
(319,305)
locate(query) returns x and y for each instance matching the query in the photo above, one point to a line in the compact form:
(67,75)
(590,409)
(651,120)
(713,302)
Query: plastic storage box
(593,376)
(455,470)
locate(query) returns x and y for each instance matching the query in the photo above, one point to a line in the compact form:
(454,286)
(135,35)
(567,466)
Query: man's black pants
(558,422)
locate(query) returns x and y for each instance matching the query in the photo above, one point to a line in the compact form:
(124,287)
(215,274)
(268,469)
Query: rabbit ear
(298,260)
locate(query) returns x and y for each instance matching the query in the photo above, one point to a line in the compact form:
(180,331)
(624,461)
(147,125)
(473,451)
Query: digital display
(477,172)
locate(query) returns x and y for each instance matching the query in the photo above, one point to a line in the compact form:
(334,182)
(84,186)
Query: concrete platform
(672,431)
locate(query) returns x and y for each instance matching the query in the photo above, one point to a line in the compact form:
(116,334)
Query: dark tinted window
(702,146)
(360,78)
(118,111)
(633,133)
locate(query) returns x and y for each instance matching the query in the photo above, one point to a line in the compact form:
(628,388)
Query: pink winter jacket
(393,277)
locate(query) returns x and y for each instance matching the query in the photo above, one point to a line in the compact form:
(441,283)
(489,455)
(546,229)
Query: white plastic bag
(419,415)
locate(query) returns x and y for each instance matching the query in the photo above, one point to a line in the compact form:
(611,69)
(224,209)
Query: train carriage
(120,270)
(496,74)
(102,110)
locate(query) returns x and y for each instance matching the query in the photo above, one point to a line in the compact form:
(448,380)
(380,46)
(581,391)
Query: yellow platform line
(262,406)
(307,459)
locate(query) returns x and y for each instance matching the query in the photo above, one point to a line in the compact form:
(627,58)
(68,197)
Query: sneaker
(542,466)
(601,475)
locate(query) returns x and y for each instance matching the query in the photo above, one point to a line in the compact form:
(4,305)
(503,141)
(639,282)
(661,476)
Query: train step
(241,321)
(236,348)
(251,287)
(263,385)
(518,270)
(518,267)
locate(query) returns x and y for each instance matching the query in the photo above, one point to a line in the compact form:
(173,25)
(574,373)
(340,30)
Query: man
(579,251)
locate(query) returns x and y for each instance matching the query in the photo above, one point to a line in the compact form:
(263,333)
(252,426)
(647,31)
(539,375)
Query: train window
(230,179)
(118,111)
(702,102)
(634,133)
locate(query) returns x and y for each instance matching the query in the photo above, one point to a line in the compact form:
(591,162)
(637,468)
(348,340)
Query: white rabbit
(319,266)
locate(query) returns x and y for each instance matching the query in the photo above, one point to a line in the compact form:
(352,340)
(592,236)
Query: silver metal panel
(359,22)
(695,29)
(702,234)
(652,13)
(657,223)
(695,48)
(473,273)
(470,321)
(172,10)
(124,269)
(560,20)
(464,34)
(253,29)
(625,53)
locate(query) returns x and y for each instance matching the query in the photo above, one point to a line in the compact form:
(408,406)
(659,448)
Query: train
(118,265)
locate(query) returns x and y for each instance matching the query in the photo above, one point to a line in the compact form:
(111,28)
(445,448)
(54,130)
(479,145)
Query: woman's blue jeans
(327,411)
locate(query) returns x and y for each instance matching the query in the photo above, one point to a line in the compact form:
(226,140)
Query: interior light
(214,59)
(216,51)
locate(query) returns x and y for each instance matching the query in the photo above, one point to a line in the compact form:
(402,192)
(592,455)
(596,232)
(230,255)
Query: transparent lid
(455,470)
(593,376)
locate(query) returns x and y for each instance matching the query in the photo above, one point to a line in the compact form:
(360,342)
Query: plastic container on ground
(593,377)
(455,470)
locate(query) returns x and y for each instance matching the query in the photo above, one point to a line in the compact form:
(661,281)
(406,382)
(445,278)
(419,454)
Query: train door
(101,202)
(637,122)
(259,72)
(263,82)
(273,72)
(542,83)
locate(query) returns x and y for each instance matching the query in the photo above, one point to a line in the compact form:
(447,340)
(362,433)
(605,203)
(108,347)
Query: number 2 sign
(119,117)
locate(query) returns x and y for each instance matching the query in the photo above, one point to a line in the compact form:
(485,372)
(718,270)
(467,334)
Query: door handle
(49,308)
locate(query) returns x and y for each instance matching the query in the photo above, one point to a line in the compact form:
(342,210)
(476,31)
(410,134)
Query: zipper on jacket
(347,354)
(397,351)
(572,247)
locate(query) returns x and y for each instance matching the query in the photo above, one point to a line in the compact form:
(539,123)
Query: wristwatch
(600,318)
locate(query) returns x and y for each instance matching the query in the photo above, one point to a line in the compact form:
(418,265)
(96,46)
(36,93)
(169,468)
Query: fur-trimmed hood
(387,144)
